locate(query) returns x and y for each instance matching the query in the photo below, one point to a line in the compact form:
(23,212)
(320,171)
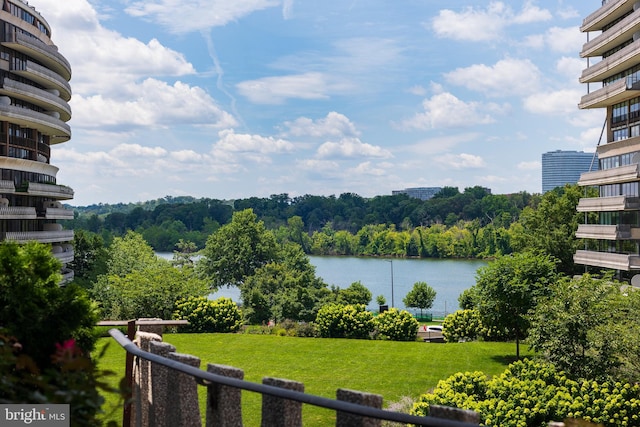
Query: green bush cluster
(532,394)
(462,325)
(397,325)
(344,321)
(204,315)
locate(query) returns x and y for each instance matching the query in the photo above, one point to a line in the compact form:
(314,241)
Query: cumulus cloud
(197,15)
(351,147)
(558,102)
(504,78)
(461,161)
(444,110)
(333,125)
(534,165)
(151,103)
(484,24)
(245,143)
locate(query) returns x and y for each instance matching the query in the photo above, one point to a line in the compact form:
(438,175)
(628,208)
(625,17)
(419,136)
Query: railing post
(455,414)
(344,419)
(277,412)
(128,374)
(142,380)
(224,403)
(185,411)
(160,393)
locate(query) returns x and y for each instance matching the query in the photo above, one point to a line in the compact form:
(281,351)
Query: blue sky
(232,99)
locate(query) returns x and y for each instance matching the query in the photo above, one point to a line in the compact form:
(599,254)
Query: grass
(395,370)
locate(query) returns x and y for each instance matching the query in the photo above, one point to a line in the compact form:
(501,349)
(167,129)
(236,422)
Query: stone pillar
(154,329)
(344,419)
(141,393)
(184,410)
(277,412)
(454,414)
(224,403)
(161,395)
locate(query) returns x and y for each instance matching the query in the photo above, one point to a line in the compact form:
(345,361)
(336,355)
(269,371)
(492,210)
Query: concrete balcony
(617,175)
(7,187)
(608,204)
(614,261)
(58,192)
(58,213)
(67,276)
(607,232)
(63,253)
(39,97)
(609,12)
(44,76)
(39,236)
(18,212)
(58,130)
(613,37)
(610,94)
(614,64)
(45,54)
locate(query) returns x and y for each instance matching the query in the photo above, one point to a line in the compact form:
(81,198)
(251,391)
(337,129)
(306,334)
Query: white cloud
(558,102)
(444,110)
(351,147)
(506,77)
(533,165)
(197,15)
(276,90)
(571,67)
(334,124)
(417,90)
(151,103)
(244,143)
(565,40)
(461,161)
(483,25)
(367,169)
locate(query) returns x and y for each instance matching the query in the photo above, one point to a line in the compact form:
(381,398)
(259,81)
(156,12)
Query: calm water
(448,277)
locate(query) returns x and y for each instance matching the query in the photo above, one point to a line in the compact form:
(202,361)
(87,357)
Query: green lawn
(391,369)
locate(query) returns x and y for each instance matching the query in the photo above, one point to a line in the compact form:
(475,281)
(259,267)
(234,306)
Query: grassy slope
(391,369)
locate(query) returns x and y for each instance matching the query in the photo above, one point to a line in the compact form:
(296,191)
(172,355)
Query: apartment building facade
(34,111)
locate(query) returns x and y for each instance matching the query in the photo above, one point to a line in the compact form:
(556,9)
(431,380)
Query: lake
(448,277)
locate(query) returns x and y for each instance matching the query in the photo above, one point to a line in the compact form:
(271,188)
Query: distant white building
(422,193)
(565,167)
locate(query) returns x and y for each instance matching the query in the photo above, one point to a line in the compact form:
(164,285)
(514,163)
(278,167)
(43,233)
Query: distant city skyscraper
(564,167)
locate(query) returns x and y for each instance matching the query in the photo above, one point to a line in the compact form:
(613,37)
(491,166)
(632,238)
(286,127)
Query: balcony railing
(39,236)
(59,130)
(169,380)
(608,204)
(619,175)
(604,232)
(614,261)
(610,38)
(58,213)
(18,212)
(44,53)
(64,257)
(59,192)
(40,97)
(44,76)
(623,59)
(596,20)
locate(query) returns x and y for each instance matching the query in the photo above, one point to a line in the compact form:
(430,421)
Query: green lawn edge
(388,368)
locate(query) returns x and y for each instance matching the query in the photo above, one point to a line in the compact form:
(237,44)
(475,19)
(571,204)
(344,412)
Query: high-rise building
(34,109)
(613,84)
(565,167)
(422,193)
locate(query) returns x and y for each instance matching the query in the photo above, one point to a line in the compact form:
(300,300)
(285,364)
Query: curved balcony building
(34,111)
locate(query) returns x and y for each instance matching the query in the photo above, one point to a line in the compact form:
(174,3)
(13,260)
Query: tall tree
(509,287)
(237,250)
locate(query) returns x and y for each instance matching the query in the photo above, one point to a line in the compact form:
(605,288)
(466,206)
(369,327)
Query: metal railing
(340,406)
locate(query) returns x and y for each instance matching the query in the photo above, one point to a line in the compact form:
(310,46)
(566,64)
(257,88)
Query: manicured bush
(533,394)
(344,321)
(462,325)
(397,325)
(204,315)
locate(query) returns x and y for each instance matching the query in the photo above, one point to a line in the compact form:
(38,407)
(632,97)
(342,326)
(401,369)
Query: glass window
(620,134)
(619,113)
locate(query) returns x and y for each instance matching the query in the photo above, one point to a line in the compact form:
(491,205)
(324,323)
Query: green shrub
(463,325)
(344,321)
(397,325)
(204,315)
(533,394)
